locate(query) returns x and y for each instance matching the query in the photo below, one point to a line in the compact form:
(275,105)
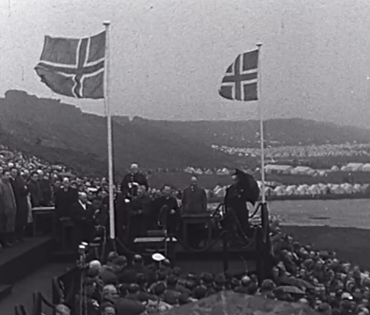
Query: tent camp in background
(303,170)
(335,168)
(352,167)
(366,167)
(278,169)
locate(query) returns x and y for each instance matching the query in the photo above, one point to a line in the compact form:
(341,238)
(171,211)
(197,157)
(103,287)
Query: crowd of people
(300,274)
(28,182)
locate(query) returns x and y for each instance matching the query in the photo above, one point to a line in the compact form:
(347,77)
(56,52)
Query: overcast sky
(168,56)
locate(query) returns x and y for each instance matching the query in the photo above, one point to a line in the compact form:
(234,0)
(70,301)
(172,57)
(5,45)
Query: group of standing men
(140,212)
(145,212)
(136,210)
(17,197)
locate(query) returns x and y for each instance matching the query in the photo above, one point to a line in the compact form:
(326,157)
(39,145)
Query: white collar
(82,204)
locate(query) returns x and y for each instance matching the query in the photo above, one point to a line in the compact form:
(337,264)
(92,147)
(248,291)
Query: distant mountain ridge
(292,131)
(63,133)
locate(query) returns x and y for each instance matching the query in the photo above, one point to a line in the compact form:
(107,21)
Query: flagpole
(262,140)
(109,129)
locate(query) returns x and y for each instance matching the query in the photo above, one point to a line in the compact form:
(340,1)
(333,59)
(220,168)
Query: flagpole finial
(106,23)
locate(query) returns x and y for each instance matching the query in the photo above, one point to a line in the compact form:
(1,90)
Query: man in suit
(134,176)
(194,201)
(82,217)
(65,197)
(139,208)
(165,211)
(46,191)
(20,193)
(35,190)
(8,210)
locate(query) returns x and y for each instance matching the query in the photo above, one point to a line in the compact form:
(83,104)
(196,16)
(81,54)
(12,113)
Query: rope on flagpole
(109,129)
(260,109)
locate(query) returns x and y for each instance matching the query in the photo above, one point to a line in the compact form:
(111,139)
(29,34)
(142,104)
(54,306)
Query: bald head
(95,264)
(134,168)
(83,197)
(194,181)
(65,182)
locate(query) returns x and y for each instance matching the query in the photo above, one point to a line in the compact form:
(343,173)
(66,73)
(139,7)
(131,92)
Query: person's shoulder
(75,205)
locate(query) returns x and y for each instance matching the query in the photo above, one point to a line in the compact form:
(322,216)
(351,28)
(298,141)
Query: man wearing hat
(243,189)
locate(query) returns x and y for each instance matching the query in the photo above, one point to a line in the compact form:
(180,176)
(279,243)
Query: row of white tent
(287,169)
(356,167)
(303,190)
(326,150)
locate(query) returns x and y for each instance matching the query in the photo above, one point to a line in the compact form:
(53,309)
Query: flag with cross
(241,78)
(74,67)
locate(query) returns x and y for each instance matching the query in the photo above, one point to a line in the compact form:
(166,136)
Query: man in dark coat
(139,208)
(65,197)
(8,210)
(134,176)
(194,199)
(82,217)
(244,189)
(165,211)
(194,202)
(35,190)
(20,193)
(46,189)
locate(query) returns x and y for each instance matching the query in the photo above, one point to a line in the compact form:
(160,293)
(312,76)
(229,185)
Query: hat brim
(158,257)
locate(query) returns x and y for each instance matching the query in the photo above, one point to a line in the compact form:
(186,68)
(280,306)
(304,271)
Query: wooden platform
(22,259)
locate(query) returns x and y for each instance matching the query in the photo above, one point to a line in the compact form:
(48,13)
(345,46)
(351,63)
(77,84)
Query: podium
(201,218)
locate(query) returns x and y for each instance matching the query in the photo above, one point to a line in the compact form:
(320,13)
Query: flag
(240,80)
(74,66)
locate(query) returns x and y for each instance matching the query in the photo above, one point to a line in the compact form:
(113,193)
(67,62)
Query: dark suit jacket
(161,208)
(194,200)
(36,194)
(64,201)
(83,220)
(20,192)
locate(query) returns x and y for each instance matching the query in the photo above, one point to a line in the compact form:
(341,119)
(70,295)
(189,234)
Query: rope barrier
(249,241)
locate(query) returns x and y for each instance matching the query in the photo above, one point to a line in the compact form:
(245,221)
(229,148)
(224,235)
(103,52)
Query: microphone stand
(81,264)
(165,240)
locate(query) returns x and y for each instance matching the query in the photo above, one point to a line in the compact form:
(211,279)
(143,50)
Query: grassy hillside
(62,133)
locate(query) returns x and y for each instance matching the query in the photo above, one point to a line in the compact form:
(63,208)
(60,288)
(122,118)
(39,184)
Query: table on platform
(37,212)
